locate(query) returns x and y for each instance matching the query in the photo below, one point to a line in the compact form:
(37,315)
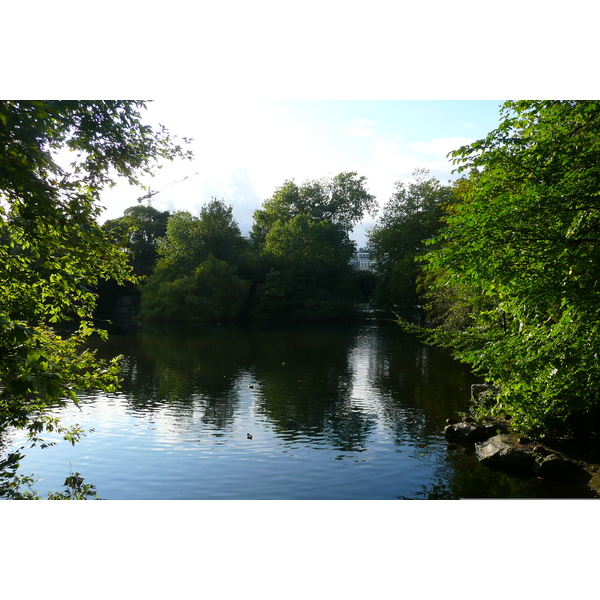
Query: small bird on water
(248,436)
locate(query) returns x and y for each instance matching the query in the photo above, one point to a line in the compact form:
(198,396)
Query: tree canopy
(341,200)
(304,242)
(196,278)
(139,230)
(521,249)
(410,217)
(301,234)
(296,264)
(52,250)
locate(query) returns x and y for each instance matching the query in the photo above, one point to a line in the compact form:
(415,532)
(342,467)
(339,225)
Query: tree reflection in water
(334,410)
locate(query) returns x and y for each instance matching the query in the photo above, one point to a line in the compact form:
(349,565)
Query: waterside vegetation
(502,266)
(53,253)
(513,277)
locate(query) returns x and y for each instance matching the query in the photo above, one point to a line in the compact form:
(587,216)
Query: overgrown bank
(504,261)
(512,279)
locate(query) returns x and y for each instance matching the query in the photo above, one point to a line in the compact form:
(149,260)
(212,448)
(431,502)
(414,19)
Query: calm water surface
(335,411)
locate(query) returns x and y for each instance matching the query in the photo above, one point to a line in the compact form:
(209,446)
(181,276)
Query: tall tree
(411,216)
(309,274)
(52,250)
(139,229)
(220,234)
(181,247)
(341,200)
(302,236)
(190,240)
(195,279)
(524,242)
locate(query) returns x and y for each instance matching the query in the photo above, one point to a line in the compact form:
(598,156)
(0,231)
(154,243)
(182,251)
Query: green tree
(303,242)
(52,250)
(219,232)
(411,216)
(191,240)
(196,277)
(524,243)
(309,276)
(139,230)
(341,200)
(181,248)
(213,292)
(302,235)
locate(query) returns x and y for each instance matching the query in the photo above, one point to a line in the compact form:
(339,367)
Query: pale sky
(245,149)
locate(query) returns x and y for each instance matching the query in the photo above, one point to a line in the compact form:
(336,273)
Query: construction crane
(148,196)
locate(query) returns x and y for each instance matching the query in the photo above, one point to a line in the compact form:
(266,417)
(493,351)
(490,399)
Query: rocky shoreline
(497,447)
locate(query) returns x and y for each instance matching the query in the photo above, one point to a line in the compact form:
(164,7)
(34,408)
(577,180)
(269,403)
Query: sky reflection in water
(336,411)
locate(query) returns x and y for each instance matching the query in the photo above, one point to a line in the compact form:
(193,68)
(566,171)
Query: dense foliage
(55,159)
(137,233)
(341,200)
(511,255)
(410,218)
(515,278)
(196,278)
(294,266)
(139,230)
(302,237)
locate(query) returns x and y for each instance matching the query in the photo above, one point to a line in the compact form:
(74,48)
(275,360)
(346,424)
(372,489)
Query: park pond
(341,411)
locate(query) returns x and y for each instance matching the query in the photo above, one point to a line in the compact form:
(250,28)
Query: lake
(341,411)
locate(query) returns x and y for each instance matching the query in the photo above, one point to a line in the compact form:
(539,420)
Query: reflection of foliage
(346,387)
(304,379)
(419,386)
(303,374)
(192,369)
(348,427)
(198,370)
(463,476)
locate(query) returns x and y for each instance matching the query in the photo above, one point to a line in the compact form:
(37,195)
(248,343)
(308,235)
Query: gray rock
(558,467)
(498,453)
(502,454)
(466,433)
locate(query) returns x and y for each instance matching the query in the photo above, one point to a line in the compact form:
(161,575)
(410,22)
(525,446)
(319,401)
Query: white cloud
(244,151)
(361,128)
(439,146)
(237,190)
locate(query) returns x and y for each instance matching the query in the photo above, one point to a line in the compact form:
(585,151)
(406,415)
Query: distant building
(361,261)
